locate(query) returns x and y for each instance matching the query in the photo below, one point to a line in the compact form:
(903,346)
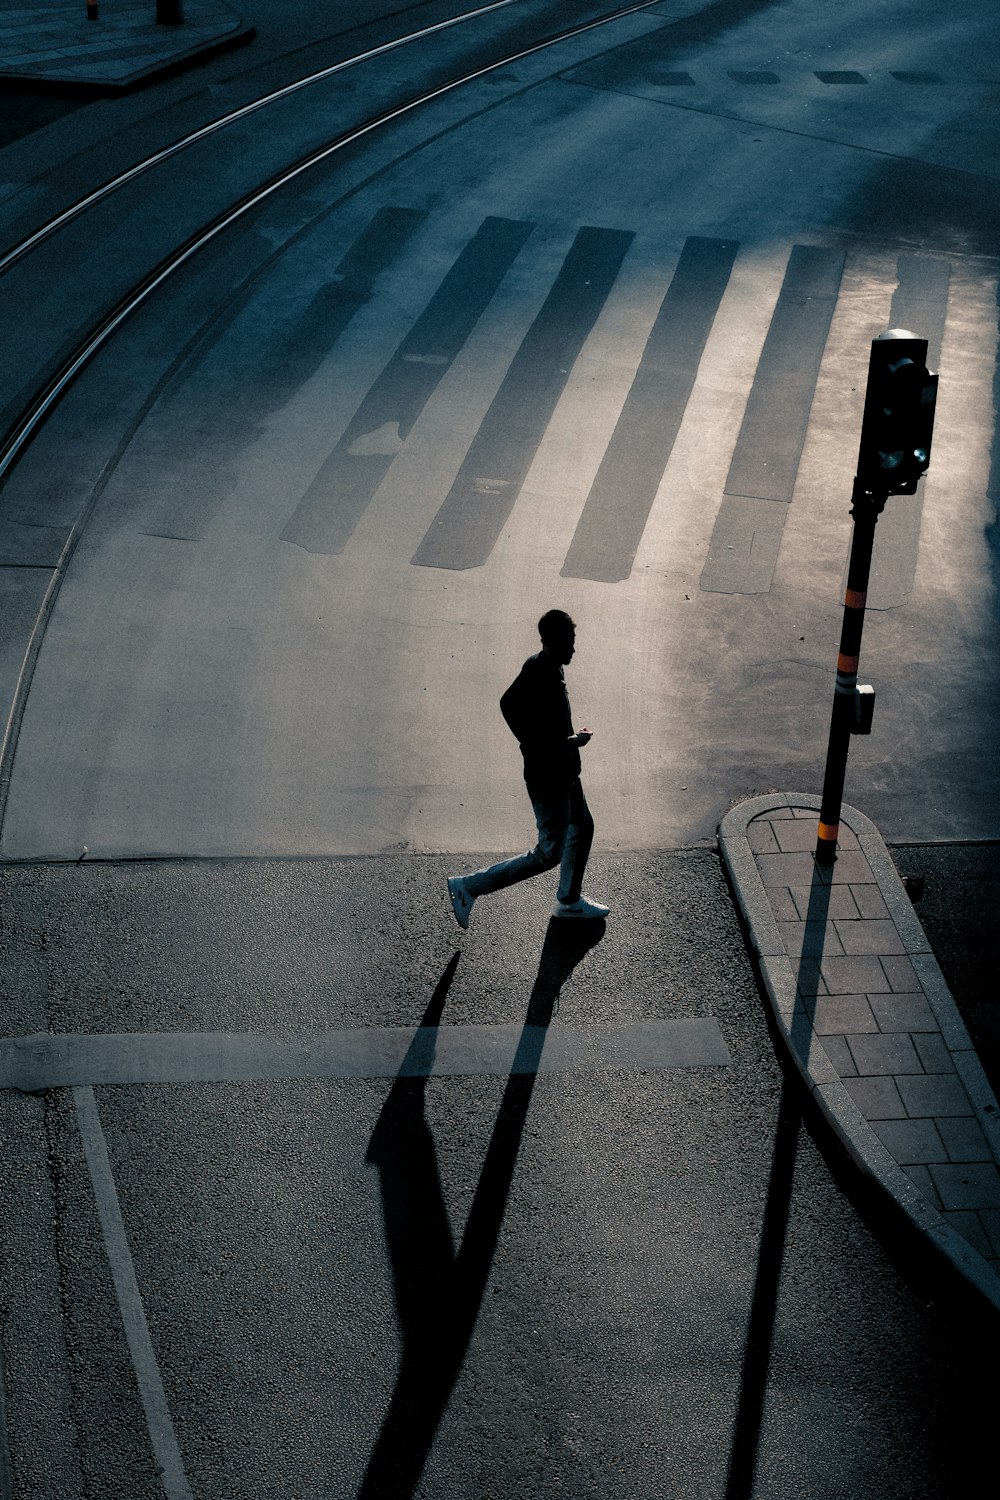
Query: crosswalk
(753,505)
(322,552)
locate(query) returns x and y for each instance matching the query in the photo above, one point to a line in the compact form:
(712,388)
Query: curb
(820,1075)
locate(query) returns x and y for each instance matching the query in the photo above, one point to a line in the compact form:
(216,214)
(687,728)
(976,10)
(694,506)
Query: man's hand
(581,737)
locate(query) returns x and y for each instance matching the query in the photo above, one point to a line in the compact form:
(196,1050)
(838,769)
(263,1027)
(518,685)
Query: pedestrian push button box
(864,708)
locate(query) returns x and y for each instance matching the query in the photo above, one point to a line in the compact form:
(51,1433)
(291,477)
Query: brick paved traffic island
(870,1022)
(55,44)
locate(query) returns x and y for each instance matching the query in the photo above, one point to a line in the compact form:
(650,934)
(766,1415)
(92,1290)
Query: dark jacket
(536,707)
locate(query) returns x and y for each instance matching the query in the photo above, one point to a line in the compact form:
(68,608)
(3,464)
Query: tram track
(231,117)
(36,411)
(40,406)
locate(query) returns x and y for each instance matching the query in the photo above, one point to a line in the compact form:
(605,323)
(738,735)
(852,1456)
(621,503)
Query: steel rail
(33,417)
(31,241)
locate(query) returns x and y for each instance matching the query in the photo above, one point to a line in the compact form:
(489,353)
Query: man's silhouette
(536,707)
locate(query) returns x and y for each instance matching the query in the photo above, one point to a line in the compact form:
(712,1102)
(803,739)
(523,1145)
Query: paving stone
(839,1054)
(854,976)
(889,1055)
(795,836)
(933,1052)
(785,869)
(934,1094)
(974,1185)
(841,1015)
(869,901)
(809,979)
(814,938)
(963,1140)
(760,837)
(816,906)
(22,58)
(905,1013)
(911,1141)
(849,868)
(782,904)
(870,936)
(839,901)
(970,1228)
(922,1177)
(877,1098)
(901,975)
(63,46)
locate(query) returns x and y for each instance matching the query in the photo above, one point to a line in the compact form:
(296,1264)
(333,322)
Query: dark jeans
(565,834)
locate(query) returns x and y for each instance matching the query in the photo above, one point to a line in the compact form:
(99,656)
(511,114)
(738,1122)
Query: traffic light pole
(866,509)
(896,431)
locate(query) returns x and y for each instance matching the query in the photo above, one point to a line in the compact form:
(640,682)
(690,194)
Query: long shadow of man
(438,1289)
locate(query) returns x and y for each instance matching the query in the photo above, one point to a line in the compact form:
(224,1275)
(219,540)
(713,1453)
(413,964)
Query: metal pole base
(826,848)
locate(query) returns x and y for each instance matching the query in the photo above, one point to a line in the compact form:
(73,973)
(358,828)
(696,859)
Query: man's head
(558,633)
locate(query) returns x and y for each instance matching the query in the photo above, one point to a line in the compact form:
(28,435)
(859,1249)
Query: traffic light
(898,422)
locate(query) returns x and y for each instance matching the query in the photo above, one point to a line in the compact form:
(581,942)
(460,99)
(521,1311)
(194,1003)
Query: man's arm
(528,711)
(517,707)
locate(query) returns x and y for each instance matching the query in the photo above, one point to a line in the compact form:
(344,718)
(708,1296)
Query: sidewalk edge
(805,1046)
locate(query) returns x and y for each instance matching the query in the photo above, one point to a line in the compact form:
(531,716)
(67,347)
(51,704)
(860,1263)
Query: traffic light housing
(898,423)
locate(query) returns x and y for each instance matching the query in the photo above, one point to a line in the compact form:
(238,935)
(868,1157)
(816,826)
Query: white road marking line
(169,1464)
(62,1060)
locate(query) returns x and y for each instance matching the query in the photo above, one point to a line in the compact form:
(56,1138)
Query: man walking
(536,708)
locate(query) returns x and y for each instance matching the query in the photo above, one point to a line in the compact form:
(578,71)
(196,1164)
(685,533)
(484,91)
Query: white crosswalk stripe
(775,395)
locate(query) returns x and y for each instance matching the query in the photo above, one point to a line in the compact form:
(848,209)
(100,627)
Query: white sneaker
(461,901)
(592,910)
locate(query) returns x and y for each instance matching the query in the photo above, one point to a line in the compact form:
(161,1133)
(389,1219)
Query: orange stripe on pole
(828,832)
(847,663)
(855,598)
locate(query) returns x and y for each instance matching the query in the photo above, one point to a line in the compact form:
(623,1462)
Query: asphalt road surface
(23,113)
(601,1279)
(959,907)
